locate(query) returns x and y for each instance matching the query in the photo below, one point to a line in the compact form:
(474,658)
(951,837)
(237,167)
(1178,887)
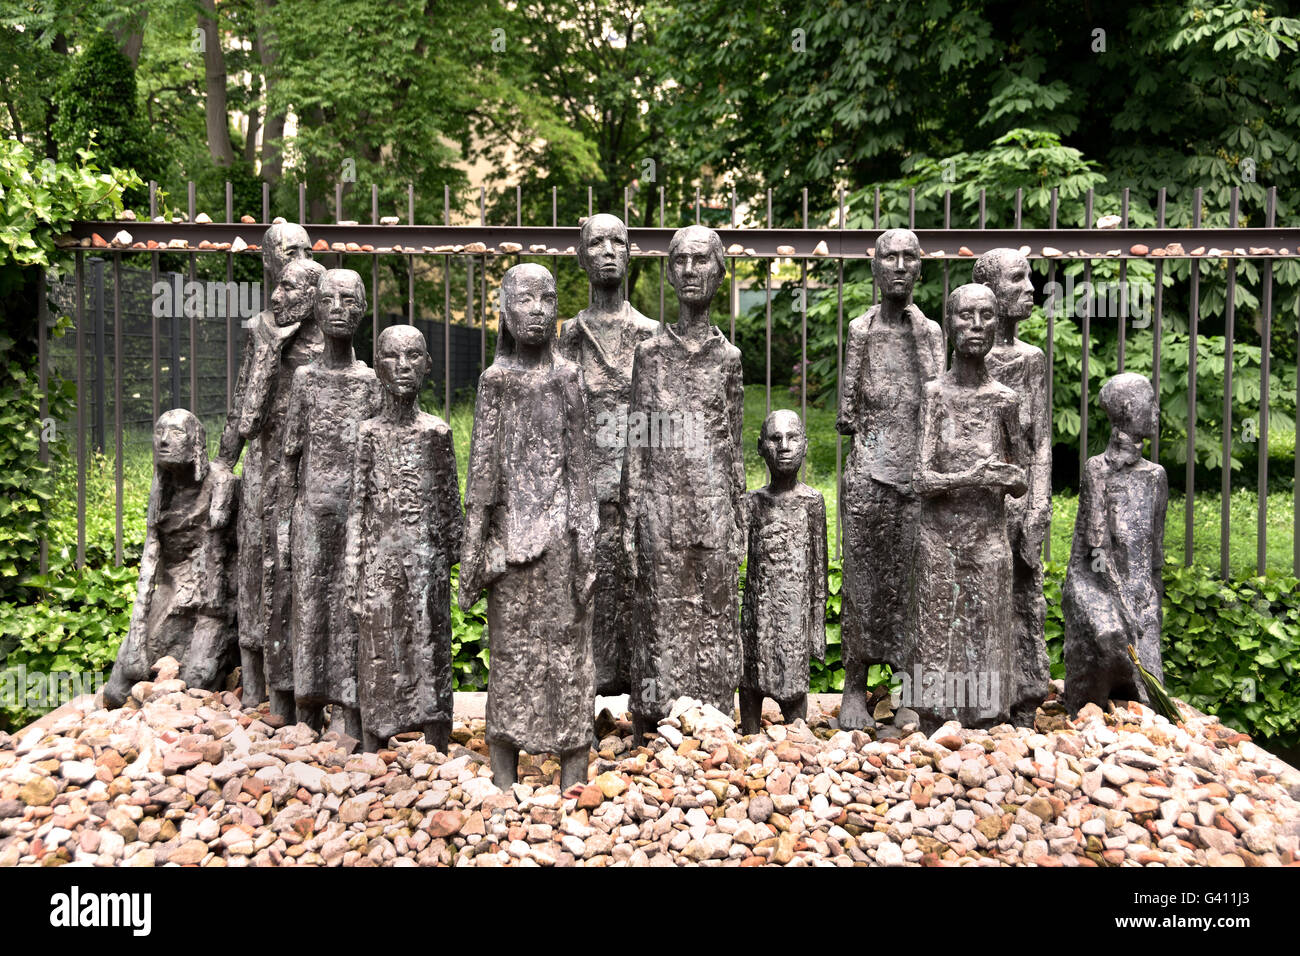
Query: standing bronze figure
(972,457)
(278,342)
(328,401)
(892,352)
(1023,368)
(1114,584)
(530,526)
(404,534)
(783,617)
(602,340)
(684,487)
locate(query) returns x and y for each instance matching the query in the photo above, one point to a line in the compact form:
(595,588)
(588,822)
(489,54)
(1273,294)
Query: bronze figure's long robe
(684,500)
(605,357)
(528,463)
(405,524)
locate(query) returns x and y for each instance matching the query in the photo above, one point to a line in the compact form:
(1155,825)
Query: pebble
(191,779)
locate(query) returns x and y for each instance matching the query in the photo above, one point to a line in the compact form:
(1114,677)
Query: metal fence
(472,249)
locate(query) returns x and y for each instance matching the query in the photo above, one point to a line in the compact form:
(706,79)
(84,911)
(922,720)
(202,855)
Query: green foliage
(469,646)
(1229,648)
(97,103)
(73,622)
(40,199)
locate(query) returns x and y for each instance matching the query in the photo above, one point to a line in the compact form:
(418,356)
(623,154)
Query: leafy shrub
(74,625)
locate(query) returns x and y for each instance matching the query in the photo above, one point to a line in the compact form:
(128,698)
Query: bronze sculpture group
(611,565)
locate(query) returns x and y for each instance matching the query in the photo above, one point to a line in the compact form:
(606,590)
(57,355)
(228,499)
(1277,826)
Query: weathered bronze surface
(892,352)
(684,487)
(783,616)
(183,605)
(1114,584)
(602,340)
(530,523)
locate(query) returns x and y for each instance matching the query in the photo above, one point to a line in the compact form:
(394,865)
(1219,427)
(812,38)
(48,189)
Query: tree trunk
(130,35)
(273,129)
(250,141)
(223,153)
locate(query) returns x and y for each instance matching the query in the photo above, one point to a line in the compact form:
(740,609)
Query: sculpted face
(603,250)
(340,303)
(1012,286)
(1129,401)
(528,305)
(782,442)
(695,266)
(175,439)
(403,360)
(283,243)
(973,316)
(294,298)
(897,264)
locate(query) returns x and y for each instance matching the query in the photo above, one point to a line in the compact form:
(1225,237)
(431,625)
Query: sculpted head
(282,243)
(1006,272)
(180,442)
(972,319)
(897,263)
(603,249)
(294,297)
(696,264)
(782,442)
(1129,401)
(528,306)
(402,360)
(340,302)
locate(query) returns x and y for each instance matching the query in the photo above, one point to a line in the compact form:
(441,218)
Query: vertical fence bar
(1052,207)
(1020,202)
(1084,391)
(697,206)
(374,282)
(266,218)
(98,429)
(911,208)
(42,382)
(1123,286)
(195,407)
(232,314)
(734,305)
(482,278)
(1157,330)
(1193,322)
(81,411)
(555,222)
(338,217)
(153,314)
(943,304)
(767,362)
(446,308)
(1229,318)
(663,263)
(1265,369)
(117,409)
(302,204)
(410,262)
(983,211)
(839,376)
(875,229)
(803,331)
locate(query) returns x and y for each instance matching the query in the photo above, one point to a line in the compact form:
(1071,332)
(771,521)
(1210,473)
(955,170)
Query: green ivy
(74,624)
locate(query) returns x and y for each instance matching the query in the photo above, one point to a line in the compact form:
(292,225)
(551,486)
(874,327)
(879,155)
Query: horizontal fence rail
(192,359)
